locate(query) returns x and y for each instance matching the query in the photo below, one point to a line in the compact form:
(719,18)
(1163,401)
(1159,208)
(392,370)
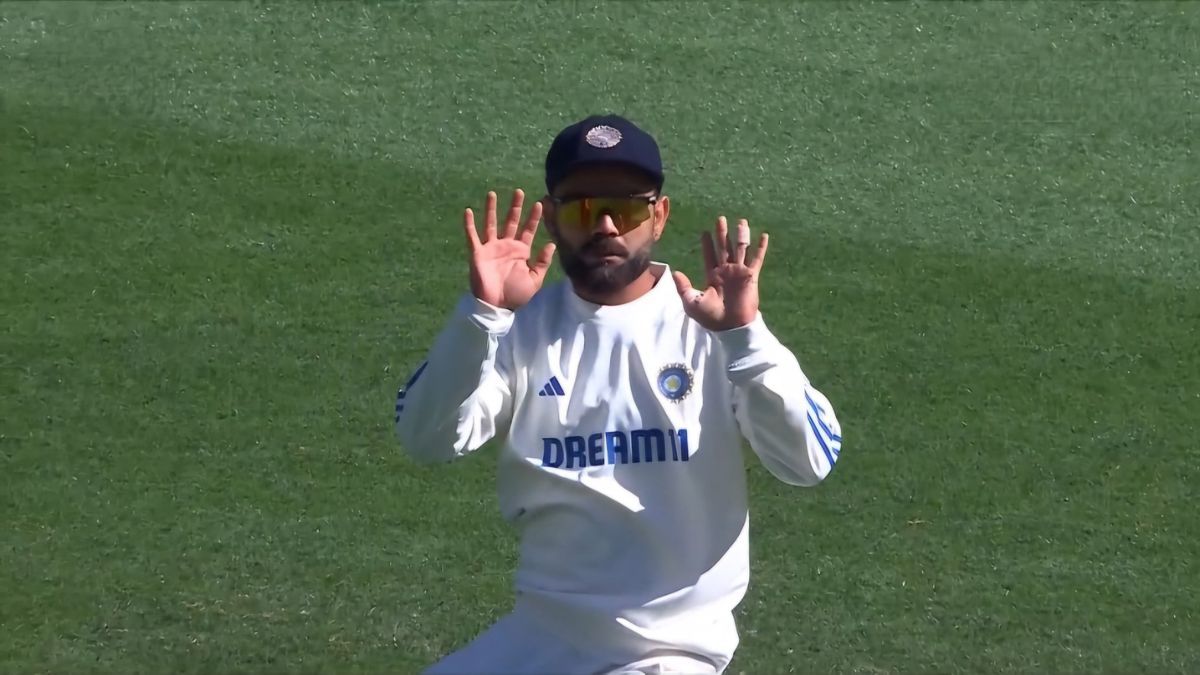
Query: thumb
(689,294)
(543,260)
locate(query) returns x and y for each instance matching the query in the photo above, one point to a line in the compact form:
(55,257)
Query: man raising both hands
(623,396)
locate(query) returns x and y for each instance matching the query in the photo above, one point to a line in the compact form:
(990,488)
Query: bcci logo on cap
(675,381)
(602,137)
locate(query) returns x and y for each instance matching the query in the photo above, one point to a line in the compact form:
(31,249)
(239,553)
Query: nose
(606,226)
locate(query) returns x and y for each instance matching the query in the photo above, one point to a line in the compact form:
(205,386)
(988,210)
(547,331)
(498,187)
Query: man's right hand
(500,271)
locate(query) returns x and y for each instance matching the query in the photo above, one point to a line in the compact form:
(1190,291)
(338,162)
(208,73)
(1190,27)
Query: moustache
(602,248)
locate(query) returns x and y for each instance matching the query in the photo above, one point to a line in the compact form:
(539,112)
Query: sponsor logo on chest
(639,446)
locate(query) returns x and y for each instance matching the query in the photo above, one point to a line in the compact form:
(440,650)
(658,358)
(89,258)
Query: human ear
(662,210)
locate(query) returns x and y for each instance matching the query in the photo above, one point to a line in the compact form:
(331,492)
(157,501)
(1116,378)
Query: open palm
(501,274)
(731,299)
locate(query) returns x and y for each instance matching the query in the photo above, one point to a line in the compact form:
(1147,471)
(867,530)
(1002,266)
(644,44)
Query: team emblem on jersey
(602,137)
(675,381)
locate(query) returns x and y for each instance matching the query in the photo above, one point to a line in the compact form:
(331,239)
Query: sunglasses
(581,213)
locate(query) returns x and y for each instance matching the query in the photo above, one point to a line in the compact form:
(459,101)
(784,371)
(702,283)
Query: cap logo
(602,137)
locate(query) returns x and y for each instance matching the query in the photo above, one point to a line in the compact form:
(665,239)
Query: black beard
(598,278)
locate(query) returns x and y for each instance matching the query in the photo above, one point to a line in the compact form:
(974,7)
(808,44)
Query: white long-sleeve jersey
(622,464)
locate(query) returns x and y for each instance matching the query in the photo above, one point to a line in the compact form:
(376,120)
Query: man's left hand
(731,299)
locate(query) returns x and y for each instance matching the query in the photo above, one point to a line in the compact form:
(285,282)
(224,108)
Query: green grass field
(228,232)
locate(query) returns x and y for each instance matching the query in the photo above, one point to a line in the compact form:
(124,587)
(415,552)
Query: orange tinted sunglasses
(627,213)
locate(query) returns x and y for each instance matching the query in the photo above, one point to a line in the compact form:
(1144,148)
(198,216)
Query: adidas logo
(552,388)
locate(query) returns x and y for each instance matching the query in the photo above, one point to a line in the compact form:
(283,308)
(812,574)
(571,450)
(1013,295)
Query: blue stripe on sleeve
(828,455)
(404,390)
(817,410)
(413,380)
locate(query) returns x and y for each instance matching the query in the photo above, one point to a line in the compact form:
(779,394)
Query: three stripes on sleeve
(831,442)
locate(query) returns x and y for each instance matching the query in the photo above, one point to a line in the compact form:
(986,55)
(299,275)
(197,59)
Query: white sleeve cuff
(746,342)
(487,317)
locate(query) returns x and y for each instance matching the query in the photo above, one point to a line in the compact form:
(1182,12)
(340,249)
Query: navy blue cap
(602,139)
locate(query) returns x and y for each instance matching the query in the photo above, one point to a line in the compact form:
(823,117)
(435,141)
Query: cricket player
(622,397)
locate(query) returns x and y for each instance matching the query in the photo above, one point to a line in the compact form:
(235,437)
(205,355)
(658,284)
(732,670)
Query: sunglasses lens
(570,214)
(626,213)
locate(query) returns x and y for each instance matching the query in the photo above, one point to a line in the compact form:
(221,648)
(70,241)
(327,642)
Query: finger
(742,243)
(689,294)
(514,214)
(531,223)
(757,261)
(489,221)
(710,253)
(469,227)
(722,240)
(544,259)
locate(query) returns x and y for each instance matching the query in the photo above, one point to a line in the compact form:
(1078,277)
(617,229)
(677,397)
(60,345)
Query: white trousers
(514,645)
